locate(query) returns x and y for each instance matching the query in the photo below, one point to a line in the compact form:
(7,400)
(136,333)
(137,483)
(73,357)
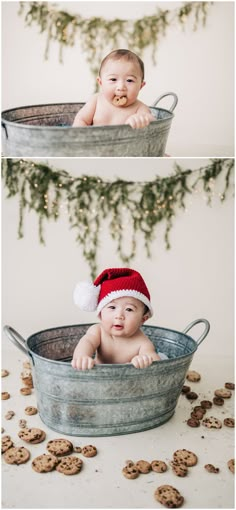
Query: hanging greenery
(98,35)
(90,201)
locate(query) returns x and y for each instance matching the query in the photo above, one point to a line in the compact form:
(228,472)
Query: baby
(121,77)
(122,301)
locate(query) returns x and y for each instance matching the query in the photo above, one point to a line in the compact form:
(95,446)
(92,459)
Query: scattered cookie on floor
(230,465)
(89,450)
(185,389)
(25,391)
(44,463)
(143,466)
(16,455)
(212,423)
(179,469)
(200,409)
(26,377)
(130,472)
(59,446)
(191,395)
(223,392)
(9,415)
(6,443)
(198,414)
(218,401)
(77,449)
(206,404)
(229,385)
(185,457)
(211,469)
(168,496)
(32,435)
(27,365)
(159,466)
(30,410)
(193,422)
(22,424)
(5,395)
(229,422)
(193,376)
(69,465)
(4,372)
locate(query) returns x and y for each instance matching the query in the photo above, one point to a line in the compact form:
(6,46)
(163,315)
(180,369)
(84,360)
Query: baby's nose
(121,85)
(119,314)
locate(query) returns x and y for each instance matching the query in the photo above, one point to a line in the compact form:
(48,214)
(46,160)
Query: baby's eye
(112,307)
(129,309)
(129,80)
(112,79)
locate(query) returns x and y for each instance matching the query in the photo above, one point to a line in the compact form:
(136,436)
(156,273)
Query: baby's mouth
(119,100)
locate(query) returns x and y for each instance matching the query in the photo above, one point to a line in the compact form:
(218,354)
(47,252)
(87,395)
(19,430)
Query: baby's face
(121,79)
(123,316)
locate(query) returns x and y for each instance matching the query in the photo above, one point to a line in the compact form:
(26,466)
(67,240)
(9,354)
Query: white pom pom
(86,296)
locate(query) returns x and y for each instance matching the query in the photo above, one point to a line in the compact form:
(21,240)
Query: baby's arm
(85,349)
(141,118)
(85,115)
(146,355)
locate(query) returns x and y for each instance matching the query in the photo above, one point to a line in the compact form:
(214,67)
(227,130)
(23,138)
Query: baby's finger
(86,363)
(132,122)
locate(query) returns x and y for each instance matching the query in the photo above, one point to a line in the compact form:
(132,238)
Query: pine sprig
(97,35)
(91,202)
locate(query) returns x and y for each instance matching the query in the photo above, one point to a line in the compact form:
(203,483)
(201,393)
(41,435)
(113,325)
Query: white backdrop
(191,280)
(198,66)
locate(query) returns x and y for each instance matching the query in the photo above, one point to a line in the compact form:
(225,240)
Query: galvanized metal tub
(108,399)
(46,130)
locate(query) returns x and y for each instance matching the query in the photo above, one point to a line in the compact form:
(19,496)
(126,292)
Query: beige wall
(193,279)
(198,66)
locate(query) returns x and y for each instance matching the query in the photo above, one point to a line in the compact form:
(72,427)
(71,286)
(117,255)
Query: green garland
(98,36)
(89,201)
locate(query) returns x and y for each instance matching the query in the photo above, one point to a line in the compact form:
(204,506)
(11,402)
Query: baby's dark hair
(126,54)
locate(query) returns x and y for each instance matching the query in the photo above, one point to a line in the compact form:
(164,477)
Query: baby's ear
(99,81)
(145,318)
(142,84)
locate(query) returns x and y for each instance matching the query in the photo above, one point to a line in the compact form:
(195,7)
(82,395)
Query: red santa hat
(111,284)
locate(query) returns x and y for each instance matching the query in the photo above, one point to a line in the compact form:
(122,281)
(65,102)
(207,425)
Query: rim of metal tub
(21,343)
(6,122)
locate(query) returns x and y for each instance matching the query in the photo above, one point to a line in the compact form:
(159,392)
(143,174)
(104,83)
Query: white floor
(100,484)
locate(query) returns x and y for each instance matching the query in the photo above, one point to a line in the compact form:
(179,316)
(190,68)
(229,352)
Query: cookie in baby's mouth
(119,101)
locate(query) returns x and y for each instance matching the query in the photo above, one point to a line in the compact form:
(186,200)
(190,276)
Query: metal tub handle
(205,332)
(5,128)
(171,109)
(16,338)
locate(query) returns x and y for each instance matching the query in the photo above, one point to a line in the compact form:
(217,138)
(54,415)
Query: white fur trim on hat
(86,296)
(121,293)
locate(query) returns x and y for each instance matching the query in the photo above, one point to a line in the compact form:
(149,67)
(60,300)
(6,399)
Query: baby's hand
(142,361)
(83,363)
(139,120)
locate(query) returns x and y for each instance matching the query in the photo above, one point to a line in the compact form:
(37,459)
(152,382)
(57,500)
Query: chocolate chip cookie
(59,446)
(44,463)
(168,496)
(16,455)
(185,457)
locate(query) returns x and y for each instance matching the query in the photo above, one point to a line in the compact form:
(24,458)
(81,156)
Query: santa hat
(111,284)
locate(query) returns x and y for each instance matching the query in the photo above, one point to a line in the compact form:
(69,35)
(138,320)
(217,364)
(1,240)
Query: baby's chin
(119,100)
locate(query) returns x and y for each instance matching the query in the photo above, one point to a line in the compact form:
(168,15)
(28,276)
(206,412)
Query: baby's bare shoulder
(95,329)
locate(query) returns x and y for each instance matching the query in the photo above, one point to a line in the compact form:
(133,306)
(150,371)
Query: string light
(130,209)
(95,37)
